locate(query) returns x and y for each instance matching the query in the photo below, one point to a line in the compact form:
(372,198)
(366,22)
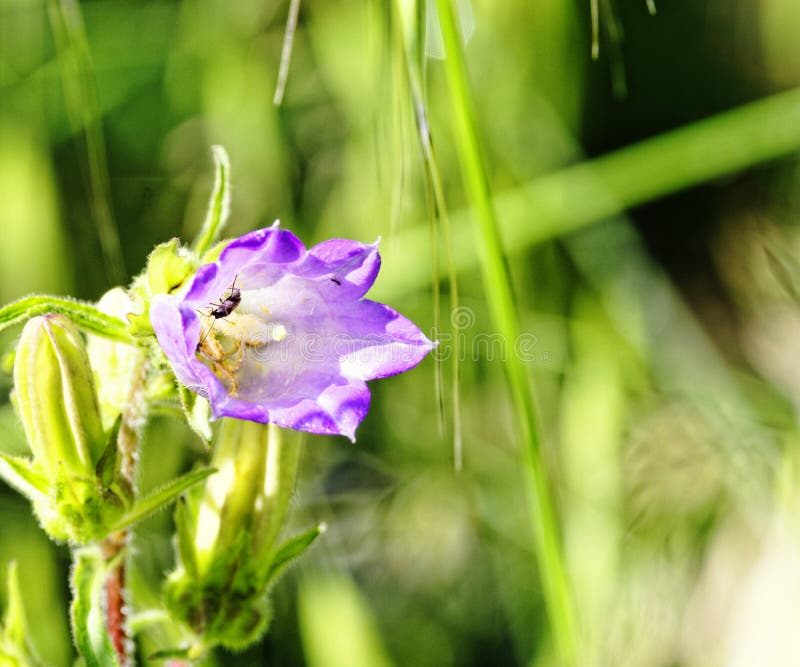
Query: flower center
(225,343)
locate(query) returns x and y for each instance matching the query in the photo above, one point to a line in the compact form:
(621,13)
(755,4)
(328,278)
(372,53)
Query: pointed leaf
(83,314)
(161,498)
(23,476)
(171,654)
(292,549)
(86,611)
(107,464)
(218,205)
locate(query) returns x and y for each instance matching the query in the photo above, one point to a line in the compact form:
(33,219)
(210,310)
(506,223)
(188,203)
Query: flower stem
(128,442)
(115,597)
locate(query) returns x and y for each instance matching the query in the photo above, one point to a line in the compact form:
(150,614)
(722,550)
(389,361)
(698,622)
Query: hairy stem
(128,441)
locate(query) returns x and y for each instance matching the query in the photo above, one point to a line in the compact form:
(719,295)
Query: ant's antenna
(210,329)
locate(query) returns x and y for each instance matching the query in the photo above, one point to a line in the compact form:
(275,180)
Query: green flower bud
(56,401)
(227,534)
(55,396)
(115,364)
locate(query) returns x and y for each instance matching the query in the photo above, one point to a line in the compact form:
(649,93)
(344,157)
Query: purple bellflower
(272,332)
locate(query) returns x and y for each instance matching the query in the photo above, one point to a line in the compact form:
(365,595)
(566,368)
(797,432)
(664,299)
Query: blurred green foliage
(665,341)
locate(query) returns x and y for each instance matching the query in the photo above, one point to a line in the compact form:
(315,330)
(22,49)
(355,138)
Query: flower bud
(227,535)
(115,364)
(56,401)
(55,397)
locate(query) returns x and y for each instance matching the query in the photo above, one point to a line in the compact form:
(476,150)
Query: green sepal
(78,510)
(291,550)
(168,267)
(213,253)
(225,606)
(89,573)
(197,411)
(106,467)
(159,499)
(24,476)
(83,314)
(218,205)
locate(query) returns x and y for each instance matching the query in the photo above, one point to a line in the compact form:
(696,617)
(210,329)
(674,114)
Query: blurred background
(657,289)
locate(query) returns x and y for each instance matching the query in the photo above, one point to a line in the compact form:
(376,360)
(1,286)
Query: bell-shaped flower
(274,333)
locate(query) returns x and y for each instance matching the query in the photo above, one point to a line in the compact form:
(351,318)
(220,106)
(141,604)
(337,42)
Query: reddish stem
(128,441)
(115,599)
(115,618)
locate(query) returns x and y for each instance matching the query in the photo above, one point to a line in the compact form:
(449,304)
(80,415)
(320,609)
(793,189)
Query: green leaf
(292,549)
(218,205)
(161,498)
(197,411)
(86,611)
(171,653)
(82,313)
(23,476)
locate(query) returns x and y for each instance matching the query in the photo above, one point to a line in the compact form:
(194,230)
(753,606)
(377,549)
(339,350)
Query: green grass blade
(218,205)
(83,314)
(412,19)
(286,51)
(497,283)
(83,110)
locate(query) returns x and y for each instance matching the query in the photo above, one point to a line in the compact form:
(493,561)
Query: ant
(224,308)
(227,306)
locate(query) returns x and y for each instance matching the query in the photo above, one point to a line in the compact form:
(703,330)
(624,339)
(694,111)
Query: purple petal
(175,330)
(383,341)
(350,265)
(271,245)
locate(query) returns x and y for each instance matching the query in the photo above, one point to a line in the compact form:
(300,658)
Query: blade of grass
(83,110)
(413,22)
(496,279)
(286,51)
